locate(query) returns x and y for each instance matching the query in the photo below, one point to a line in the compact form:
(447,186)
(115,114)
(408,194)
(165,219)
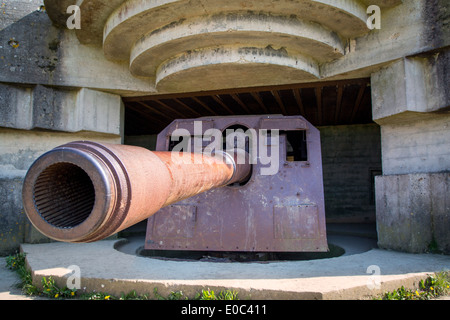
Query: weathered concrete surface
(419,145)
(92,24)
(217,68)
(47,55)
(382,3)
(57,109)
(406,30)
(234,29)
(13,221)
(19,148)
(167,29)
(105,269)
(13,11)
(414,84)
(411,99)
(57,11)
(196,41)
(16,109)
(136,18)
(188,33)
(413,212)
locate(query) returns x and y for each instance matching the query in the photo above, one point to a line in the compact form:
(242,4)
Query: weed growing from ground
(433,286)
(17,263)
(51,290)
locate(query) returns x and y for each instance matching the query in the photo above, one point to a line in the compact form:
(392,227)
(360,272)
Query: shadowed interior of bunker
(350,145)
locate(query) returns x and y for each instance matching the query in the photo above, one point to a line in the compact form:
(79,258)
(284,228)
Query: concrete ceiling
(218,58)
(193,45)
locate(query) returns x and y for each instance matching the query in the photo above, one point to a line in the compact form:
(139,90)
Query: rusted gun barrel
(85,191)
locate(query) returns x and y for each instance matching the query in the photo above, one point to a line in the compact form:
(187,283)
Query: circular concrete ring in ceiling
(249,30)
(227,67)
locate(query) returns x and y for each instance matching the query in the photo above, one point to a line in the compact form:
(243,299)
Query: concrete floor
(361,273)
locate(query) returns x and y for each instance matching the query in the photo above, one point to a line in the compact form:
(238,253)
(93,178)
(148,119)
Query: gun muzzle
(86,191)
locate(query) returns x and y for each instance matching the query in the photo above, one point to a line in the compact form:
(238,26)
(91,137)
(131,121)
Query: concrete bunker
(405,63)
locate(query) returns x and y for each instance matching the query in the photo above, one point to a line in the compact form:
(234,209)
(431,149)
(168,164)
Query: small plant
(228,295)
(432,287)
(204,295)
(16,263)
(207,295)
(174,295)
(400,294)
(51,290)
(223,295)
(437,284)
(157,295)
(133,296)
(97,296)
(177,295)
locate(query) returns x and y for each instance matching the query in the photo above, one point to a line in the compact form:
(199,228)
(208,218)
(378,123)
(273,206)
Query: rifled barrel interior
(64,195)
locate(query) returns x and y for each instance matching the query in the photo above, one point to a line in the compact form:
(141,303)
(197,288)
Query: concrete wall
(411,86)
(61,109)
(351,156)
(411,100)
(412,197)
(13,11)
(47,55)
(417,146)
(414,212)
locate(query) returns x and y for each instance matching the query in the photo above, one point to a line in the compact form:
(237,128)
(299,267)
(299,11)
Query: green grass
(17,263)
(432,287)
(203,295)
(51,290)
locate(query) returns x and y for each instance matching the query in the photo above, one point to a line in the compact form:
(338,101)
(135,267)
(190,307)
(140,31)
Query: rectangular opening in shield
(296,145)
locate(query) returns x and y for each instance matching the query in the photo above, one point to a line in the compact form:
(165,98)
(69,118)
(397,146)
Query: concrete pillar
(33,120)
(410,103)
